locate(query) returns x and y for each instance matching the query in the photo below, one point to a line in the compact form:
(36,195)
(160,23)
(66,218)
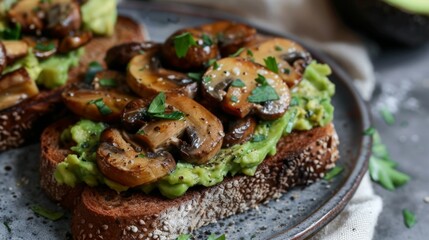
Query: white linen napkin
(316,22)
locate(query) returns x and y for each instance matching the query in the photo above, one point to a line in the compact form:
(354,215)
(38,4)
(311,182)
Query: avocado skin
(385,23)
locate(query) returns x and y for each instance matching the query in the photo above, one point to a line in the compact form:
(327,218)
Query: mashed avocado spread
(310,107)
(98,16)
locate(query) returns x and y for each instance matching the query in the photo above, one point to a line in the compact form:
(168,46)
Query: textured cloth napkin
(316,22)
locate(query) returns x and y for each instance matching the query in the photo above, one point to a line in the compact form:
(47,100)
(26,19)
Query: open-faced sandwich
(174,136)
(43,46)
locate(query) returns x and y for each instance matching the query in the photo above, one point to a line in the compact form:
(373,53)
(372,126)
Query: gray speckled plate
(296,215)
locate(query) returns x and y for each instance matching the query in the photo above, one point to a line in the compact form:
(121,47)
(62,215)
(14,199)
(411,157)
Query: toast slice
(23,122)
(100,213)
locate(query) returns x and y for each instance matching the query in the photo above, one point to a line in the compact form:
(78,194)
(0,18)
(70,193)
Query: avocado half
(404,22)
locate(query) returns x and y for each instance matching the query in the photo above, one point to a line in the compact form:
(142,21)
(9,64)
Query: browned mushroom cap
(119,56)
(110,80)
(119,161)
(244,87)
(146,77)
(96,105)
(231,36)
(291,58)
(3,61)
(63,18)
(28,14)
(15,49)
(239,131)
(15,87)
(74,41)
(196,56)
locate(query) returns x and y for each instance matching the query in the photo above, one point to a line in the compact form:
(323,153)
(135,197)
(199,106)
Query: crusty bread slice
(100,213)
(24,122)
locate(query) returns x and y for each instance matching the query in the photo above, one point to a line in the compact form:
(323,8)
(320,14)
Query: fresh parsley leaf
(157,106)
(207,79)
(215,65)
(175,115)
(369,131)
(333,173)
(409,218)
(93,68)
(46,213)
(141,155)
(387,116)
(11,33)
(141,132)
(249,53)
(238,83)
(286,70)
(196,76)
(214,237)
(294,101)
(102,107)
(184,237)
(44,46)
(261,80)
(238,52)
(207,40)
(108,82)
(263,94)
(271,64)
(234,99)
(6,225)
(278,48)
(258,138)
(182,43)
(210,62)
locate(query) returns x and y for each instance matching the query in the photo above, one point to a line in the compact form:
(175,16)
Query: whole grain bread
(24,122)
(100,213)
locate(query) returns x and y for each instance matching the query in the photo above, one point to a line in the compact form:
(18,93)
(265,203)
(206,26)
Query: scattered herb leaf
(184,237)
(286,70)
(249,53)
(333,173)
(207,40)
(44,46)
(238,52)
(215,65)
(271,64)
(182,43)
(175,115)
(214,237)
(46,213)
(369,131)
(294,101)
(210,62)
(141,155)
(93,68)
(102,107)
(196,76)
(108,82)
(387,116)
(278,48)
(238,83)
(207,79)
(11,33)
(409,218)
(261,80)
(258,138)
(234,98)
(263,94)
(157,106)
(141,132)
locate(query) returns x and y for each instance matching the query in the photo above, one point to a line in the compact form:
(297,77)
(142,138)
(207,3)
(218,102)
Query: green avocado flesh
(412,6)
(310,107)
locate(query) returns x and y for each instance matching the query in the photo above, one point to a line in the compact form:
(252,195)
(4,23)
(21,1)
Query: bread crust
(301,158)
(22,124)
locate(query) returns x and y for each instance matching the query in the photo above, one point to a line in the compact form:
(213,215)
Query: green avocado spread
(412,6)
(310,107)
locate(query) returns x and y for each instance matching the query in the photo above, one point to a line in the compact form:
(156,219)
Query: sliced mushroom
(3,61)
(290,57)
(196,56)
(63,18)
(119,56)
(146,77)
(96,105)
(235,100)
(15,50)
(29,15)
(239,131)
(231,36)
(119,161)
(110,80)
(74,41)
(15,87)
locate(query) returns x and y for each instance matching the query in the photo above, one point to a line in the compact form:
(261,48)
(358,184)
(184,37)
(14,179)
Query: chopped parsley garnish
(387,116)
(215,65)
(258,138)
(6,225)
(262,93)
(196,76)
(239,51)
(108,82)
(333,173)
(93,68)
(294,101)
(278,48)
(157,109)
(207,40)
(175,115)
(184,237)
(182,43)
(11,33)
(286,70)
(44,46)
(46,213)
(238,83)
(210,62)
(102,107)
(271,64)
(207,79)
(249,53)
(409,218)
(141,155)
(234,98)
(369,131)
(141,132)
(214,237)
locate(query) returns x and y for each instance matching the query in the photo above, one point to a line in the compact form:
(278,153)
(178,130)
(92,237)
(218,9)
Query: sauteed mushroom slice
(74,41)
(239,131)
(96,105)
(290,57)
(110,80)
(244,87)
(63,18)
(119,56)
(190,49)
(15,49)
(120,161)
(28,14)
(15,87)
(146,77)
